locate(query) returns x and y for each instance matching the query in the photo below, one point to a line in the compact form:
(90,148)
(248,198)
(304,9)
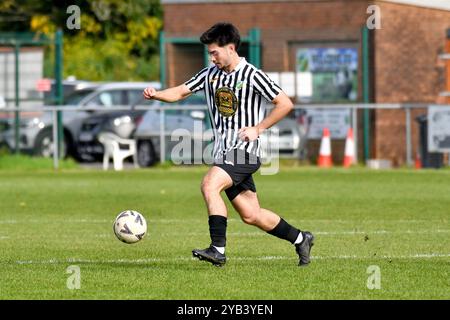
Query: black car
(124,124)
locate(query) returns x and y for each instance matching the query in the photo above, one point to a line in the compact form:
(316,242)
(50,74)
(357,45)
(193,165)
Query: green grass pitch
(397,221)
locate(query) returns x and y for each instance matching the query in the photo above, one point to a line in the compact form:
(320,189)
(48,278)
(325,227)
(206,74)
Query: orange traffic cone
(349,157)
(325,150)
(418,162)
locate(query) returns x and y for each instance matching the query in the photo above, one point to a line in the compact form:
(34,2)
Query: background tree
(117,39)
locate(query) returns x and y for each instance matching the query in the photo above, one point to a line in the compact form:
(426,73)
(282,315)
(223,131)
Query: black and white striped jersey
(234,101)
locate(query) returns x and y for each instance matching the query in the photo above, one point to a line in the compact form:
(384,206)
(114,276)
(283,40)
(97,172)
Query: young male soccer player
(234,90)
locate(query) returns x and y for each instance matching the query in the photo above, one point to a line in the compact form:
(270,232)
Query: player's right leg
(214,182)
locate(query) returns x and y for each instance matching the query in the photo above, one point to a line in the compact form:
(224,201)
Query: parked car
(124,125)
(291,138)
(69,86)
(2,102)
(36,127)
(178,123)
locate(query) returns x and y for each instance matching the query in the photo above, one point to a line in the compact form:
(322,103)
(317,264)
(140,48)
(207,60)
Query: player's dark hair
(222,33)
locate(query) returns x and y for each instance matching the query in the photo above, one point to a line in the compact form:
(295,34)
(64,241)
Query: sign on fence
(336,120)
(439,128)
(43,85)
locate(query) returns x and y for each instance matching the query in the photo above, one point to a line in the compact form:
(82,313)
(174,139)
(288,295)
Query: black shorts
(240,165)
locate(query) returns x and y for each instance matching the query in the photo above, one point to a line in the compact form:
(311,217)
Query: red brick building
(403,64)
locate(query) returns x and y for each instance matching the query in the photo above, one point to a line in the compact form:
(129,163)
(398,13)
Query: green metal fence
(17,40)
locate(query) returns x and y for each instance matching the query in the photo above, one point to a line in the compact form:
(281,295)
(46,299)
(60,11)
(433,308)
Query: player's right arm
(168,95)
(184,90)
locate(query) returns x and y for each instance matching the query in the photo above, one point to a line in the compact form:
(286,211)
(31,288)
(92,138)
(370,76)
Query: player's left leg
(247,205)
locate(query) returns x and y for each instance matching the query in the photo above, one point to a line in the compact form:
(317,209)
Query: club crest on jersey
(226,101)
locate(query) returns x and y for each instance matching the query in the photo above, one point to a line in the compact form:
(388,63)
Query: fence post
(408,136)
(162,139)
(17,98)
(255,42)
(366,89)
(162,59)
(55,138)
(355,131)
(59,90)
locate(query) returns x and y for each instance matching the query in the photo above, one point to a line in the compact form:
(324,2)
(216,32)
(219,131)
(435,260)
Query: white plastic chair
(112,149)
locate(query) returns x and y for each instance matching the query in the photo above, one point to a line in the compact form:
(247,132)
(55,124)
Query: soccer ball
(130,226)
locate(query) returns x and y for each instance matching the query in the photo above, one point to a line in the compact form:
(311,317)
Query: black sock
(217,230)
(284,230)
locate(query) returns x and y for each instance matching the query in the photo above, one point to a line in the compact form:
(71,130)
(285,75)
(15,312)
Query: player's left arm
(283,105)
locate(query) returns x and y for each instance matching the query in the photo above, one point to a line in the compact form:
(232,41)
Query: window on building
(327,74)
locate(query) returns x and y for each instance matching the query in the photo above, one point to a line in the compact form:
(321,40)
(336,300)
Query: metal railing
(354,107)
